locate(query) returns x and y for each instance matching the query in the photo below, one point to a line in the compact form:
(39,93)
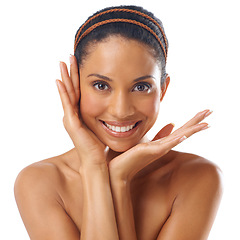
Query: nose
(121,105)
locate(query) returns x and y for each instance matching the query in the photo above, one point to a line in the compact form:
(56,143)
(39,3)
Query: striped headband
(78,39)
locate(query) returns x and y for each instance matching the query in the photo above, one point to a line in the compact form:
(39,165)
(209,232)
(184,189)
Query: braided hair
(131,22)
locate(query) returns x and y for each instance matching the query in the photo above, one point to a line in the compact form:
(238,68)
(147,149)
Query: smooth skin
(112,186)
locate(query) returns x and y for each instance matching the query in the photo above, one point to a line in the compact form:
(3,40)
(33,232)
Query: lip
(123,124)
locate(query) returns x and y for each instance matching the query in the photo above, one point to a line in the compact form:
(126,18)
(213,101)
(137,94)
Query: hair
(130,22)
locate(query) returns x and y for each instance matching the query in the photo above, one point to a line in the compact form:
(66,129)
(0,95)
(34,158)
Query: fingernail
(71,59)
(206,127)
(60,64)
(57,83)
(182,139)
(208,113)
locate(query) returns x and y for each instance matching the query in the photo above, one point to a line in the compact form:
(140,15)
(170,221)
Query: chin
(119,149)
(121,146)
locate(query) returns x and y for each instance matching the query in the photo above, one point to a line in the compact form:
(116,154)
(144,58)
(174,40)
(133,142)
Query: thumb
(164,132)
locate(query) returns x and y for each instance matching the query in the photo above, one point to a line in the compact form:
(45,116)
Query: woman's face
(120,92)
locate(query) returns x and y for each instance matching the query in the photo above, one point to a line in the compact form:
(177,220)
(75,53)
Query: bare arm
(98,211)
(196,204)
(40,205)
(122,198)
(43,211)
(125,166)
(36,189)
(98,220)
(124,210)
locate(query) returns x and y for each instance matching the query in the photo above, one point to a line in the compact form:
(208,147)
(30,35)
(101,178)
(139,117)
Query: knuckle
(64,121)
(69,123)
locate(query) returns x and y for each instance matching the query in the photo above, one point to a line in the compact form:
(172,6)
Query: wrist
(88,168)
(118,181)
(118,176)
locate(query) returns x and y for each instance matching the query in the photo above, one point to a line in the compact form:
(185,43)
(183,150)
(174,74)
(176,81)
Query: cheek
(150,107)
(90,106)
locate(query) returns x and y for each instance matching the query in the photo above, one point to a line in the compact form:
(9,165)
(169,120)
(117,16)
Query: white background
(203,64)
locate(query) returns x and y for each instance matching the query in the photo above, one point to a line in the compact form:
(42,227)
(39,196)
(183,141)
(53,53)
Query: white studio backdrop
(203,64)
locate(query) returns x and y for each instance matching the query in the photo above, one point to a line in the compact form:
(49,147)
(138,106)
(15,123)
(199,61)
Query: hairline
(94,42)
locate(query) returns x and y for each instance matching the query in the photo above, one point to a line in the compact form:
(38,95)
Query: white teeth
(123,129)
(120,129)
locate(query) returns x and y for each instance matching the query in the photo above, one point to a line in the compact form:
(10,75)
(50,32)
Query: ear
(164,87)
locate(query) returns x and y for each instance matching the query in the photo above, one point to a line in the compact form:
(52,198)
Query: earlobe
(164,87)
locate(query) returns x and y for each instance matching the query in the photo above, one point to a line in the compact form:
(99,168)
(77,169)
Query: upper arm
(195,206)
(42,214)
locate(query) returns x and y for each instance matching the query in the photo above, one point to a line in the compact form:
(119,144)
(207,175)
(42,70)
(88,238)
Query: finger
(164,132)
(167,145)
(68,83)
(74,75)
(160,147)
(197,118)
(187,132)
(194,121)
(155,150)
(194,129)
(66,103)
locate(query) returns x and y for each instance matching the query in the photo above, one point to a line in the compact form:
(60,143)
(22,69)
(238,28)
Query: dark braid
(131,22)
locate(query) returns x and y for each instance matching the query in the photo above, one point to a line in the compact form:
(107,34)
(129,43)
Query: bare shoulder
(38,178)
(48,173)
(37,191)
(196,187)
(40,172)
(192,165)
(195,172)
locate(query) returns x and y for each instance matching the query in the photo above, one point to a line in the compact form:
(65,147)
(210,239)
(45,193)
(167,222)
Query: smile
(120,129)
(117,129)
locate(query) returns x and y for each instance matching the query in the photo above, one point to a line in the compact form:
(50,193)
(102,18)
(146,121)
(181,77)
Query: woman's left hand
(125,166)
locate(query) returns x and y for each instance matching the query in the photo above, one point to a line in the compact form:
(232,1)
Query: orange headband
(77,40)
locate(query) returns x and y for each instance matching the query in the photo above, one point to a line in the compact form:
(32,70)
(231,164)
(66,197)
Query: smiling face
(120,92)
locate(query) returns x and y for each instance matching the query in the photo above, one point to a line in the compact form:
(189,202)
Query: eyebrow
(110,80)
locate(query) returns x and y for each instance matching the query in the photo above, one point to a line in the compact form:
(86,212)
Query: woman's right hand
(91,150)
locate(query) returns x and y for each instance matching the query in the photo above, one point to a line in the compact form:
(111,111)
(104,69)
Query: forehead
(117,55)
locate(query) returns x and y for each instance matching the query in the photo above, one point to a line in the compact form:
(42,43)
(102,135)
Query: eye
(142,87)
(101,86)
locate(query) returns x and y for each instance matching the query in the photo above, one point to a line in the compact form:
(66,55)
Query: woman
(115,183)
